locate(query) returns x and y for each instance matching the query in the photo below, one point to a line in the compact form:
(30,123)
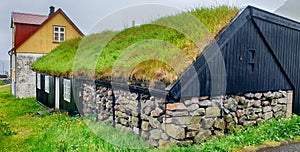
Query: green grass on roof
(60,61)
(161,50)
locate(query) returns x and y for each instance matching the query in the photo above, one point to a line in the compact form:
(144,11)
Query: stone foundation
(192,121)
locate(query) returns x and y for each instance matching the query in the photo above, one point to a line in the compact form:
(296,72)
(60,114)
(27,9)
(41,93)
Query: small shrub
(1,82)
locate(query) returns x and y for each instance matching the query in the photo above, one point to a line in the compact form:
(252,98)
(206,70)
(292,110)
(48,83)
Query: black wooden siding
(250,65)
(285,43)
(48,99)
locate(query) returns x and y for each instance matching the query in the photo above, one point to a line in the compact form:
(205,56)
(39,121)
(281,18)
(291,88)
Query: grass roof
(161,50)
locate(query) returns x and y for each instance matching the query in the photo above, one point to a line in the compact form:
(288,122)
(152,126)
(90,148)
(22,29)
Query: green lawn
(21,131)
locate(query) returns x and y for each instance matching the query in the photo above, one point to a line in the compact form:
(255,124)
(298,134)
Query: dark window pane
(55,36)
(62,36)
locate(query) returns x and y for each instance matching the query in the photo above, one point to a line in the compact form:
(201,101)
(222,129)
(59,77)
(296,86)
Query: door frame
(56,92)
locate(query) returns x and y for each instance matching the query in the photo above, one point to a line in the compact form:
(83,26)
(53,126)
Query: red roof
(24,18)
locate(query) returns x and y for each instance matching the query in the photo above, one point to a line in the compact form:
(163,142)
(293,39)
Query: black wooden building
(259,51)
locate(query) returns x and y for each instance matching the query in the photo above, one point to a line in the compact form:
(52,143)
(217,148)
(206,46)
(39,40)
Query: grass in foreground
(20,131)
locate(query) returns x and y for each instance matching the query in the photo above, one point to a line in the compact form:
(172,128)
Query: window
(47,88)
(38,81)
(67,90)
(59,33)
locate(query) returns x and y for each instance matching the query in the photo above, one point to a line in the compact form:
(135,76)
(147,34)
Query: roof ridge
(30,14)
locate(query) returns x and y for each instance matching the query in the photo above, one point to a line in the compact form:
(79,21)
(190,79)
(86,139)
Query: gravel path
(286,148)
(4,85)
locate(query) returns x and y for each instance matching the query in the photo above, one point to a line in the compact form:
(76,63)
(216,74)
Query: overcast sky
(85,14)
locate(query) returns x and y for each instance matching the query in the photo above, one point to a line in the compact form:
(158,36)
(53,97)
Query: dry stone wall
(98,101)
(191,121)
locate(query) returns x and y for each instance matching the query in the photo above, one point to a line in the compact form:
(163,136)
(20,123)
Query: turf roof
(160,51)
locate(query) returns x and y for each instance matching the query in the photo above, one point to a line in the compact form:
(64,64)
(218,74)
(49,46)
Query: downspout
(11,53)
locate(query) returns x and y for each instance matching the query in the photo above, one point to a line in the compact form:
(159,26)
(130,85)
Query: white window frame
(38,81)
(67,90)
(59,33)
(47,83)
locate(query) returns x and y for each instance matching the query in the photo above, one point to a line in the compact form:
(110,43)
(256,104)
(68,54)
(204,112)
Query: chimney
(52,9)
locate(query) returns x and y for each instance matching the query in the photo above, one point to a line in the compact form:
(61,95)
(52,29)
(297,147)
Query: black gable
(240,60)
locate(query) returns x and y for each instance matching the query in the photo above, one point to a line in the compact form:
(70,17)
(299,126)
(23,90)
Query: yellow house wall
(42,41)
